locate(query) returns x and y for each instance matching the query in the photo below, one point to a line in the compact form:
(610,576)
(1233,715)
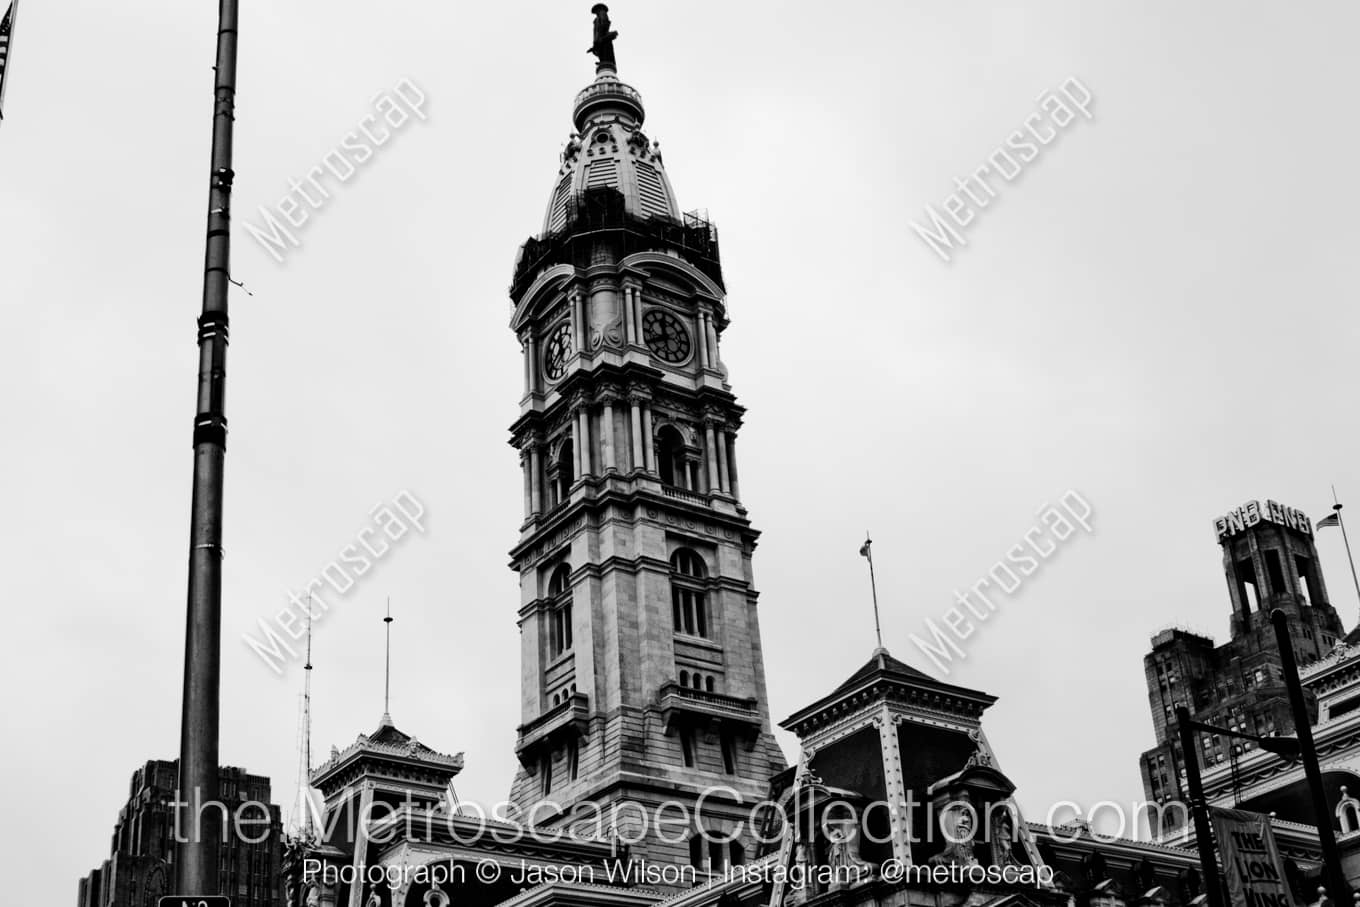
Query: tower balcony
(606,94)
(684,705)
(570,718)
(684,494)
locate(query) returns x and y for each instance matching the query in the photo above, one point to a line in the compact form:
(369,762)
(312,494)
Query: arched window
(1348,812)
(559,611)
(684,678)
(688,602)
(670,457)
(708,683)
(696,850)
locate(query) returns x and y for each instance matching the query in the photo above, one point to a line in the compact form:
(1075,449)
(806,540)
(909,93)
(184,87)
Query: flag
(864,549)
(6,31)
(1333,520)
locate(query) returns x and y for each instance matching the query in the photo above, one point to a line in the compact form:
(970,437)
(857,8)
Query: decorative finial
(603,45)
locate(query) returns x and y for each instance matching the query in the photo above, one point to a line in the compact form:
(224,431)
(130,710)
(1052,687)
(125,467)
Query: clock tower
(642,675)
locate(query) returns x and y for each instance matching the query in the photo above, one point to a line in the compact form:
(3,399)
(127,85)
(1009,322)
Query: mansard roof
(388,744)
(882,663)
(885,677)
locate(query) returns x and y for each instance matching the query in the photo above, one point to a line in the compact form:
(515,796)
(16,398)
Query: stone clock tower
(642,674)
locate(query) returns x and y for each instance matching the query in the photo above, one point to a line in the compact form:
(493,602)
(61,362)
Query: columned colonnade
(591,458)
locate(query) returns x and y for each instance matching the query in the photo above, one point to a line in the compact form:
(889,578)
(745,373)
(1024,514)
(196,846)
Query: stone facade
(642,673)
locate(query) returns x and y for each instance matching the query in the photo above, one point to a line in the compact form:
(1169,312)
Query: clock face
(666,337)
(556,352)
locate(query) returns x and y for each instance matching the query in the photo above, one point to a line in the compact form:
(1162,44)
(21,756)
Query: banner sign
(1251,861)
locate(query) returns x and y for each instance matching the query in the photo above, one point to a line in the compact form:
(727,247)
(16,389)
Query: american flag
(6,29)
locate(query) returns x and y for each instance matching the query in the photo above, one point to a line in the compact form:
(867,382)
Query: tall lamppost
(1286,747)
(197,851)
(1331,857)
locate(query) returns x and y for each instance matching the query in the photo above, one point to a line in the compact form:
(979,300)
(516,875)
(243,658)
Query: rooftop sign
(1253,512)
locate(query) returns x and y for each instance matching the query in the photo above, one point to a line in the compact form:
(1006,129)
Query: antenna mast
(387,671)
(305,789)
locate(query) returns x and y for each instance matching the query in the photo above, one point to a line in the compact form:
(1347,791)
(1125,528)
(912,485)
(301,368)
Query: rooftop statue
(603,46)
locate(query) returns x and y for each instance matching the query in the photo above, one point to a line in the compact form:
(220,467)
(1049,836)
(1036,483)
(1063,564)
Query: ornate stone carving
(959,825)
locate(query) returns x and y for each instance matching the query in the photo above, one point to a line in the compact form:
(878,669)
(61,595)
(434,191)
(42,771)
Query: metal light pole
(1331,857)
(197,841)
(1199,808)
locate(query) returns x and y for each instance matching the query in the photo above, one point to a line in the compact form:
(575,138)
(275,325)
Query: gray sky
(1156,313)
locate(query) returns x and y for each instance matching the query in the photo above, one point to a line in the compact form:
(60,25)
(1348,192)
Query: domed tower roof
(609,150)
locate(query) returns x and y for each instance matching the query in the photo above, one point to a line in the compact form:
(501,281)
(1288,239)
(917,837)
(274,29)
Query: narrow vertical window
(687,747)
(559,611)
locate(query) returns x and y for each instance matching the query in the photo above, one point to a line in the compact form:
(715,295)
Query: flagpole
(11,15)
(868,553)
(1336,508)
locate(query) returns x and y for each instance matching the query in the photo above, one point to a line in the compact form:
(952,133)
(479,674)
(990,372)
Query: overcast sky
(1157,313)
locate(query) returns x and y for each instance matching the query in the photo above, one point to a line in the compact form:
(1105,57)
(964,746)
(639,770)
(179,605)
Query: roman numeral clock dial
(666,337)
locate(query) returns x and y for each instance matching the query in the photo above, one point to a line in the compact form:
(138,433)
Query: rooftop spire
(387,670)
(307,829)
(603,44)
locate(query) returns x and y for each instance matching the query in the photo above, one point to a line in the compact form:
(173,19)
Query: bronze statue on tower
(603,46)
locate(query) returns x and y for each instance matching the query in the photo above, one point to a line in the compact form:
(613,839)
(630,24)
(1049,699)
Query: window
(688,605)
(696,850)
(1275,572)
(729,754)
(1308,581)
(573,759)
(687,747)
(670,457)
(1349,814)
(546,768)
(1247,592)
(559,611)
(717,852)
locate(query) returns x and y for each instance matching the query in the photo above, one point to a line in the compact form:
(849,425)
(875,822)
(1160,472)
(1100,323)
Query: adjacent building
(140,866)
(1269,561)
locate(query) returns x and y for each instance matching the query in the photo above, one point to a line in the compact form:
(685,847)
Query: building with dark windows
(1269,561)
(140,867)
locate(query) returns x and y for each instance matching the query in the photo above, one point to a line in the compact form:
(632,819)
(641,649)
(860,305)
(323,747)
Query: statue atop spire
(603,46)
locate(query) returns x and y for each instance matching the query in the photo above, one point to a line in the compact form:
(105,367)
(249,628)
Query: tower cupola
(609,150)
